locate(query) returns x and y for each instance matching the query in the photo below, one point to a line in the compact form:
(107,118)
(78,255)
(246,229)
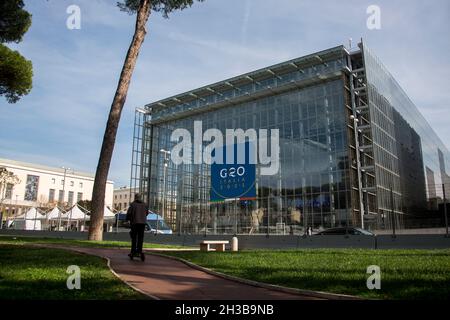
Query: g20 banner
(233,181)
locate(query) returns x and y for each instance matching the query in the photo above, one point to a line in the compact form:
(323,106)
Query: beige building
(123,197)
(43,186)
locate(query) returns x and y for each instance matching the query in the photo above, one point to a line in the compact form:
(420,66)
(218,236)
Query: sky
(62,121)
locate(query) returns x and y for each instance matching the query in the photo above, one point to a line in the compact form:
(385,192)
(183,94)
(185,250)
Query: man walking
(137,215)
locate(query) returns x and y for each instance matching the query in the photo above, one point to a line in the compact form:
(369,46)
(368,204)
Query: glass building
(354,149)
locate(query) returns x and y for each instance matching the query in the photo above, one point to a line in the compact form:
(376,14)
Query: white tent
(75,217)
(75,213)
(56,218)
(32,214)
(108,214)
(31,220)
(54,213)
(21,224)
(62,217)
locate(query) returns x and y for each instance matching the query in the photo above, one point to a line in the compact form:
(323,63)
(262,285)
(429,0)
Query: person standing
(137,215)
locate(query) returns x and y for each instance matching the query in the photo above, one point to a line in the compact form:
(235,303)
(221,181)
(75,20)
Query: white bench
(219,245)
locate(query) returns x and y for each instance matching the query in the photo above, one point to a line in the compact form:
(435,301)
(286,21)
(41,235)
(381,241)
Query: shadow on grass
(415,276)
(56,289)
(40,273)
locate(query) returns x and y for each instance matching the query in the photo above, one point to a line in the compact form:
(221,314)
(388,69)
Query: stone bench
(219,245)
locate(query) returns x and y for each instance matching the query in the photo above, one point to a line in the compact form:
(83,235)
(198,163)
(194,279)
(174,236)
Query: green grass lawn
(405,274)
(40,273)
(80,243)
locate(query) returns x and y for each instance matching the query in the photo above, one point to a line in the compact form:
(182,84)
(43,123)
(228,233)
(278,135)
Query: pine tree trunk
(101,175)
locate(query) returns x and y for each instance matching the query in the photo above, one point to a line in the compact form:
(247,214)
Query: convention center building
(353,149)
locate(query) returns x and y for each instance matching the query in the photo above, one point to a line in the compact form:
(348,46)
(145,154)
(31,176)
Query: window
(72,183)
(125,196)
(31,188)
(61,196)
(51,195)
(115,197)
(81,184)
(8,191)
(79,196)
(120,196)
(53,180)
(62,182)
(70,199)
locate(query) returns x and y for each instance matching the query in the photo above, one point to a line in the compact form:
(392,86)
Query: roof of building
(124,189)
(34,166)
(304,71)
(274,70)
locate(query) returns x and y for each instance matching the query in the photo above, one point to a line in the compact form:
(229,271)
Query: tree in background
(142,9)
(85,204)
(16,72)
(7,179)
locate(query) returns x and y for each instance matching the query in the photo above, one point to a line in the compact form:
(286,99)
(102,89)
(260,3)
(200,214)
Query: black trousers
(137,237)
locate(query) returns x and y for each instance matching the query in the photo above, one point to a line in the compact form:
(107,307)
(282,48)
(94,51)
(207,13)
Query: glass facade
(345,143)
(409,156)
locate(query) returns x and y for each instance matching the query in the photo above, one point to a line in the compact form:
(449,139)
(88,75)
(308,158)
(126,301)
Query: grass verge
(405,274)
(81,243)
(40,273)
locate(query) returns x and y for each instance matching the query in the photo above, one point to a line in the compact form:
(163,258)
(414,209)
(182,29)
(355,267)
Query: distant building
(123,197)
(44,186)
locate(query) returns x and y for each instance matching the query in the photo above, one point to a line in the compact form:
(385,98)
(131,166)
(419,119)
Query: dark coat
(137,213)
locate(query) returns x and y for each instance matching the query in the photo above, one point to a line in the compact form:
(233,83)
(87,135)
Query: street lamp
(63,195)
(16,209)
(166,153)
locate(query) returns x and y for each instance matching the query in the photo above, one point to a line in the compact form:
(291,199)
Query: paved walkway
(164,278)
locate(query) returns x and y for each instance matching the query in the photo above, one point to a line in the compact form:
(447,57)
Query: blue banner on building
(234,181)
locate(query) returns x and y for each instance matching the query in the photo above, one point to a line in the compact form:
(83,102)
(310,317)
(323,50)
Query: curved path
(165,278)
